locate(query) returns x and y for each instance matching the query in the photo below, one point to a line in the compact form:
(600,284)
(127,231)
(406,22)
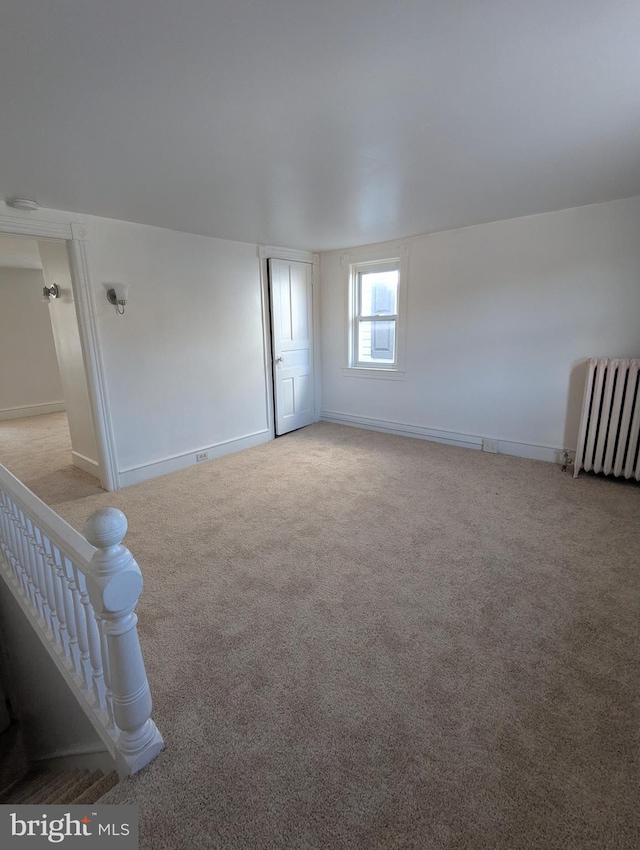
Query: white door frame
(270,252)
(72,230)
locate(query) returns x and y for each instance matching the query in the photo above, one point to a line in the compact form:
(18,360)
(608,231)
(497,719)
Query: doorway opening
(47,433)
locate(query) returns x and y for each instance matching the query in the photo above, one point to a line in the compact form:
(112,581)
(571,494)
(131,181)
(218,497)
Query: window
(375,301)
(375,304)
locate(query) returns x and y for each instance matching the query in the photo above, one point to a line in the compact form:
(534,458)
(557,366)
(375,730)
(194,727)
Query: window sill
(362,372)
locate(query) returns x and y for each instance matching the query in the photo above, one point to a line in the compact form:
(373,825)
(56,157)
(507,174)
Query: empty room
(339,547)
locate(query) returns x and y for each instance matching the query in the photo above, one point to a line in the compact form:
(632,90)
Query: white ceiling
(319,124)
(19,253)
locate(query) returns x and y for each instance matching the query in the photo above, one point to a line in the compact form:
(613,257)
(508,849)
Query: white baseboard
(32,410)
(154,468)
(530,451)
(402,429)
(466,441)
(85,464)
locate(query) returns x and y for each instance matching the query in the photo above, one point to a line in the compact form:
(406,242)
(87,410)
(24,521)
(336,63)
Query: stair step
(9,789)
(16,786)
(50,792)
(97,790)
(74,789)
(59,787)
(32,782)
(71,785)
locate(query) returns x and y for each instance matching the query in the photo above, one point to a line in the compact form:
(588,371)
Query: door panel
(291,331)
(287,397)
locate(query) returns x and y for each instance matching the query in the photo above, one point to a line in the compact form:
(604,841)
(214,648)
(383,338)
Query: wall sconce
(49,292)
(118,295)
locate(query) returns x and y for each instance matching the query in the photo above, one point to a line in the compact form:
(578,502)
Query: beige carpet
(38,450)
(356,640)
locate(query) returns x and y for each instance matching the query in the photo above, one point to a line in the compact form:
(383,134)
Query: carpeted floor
(356,640)
(38,451)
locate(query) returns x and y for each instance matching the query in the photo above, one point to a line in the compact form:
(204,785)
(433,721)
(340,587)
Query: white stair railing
(80,594)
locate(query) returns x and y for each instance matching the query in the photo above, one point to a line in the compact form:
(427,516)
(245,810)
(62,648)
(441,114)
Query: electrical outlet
(202,456)
(490,446)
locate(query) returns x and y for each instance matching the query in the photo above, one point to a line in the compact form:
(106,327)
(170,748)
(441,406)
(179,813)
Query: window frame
(354,264)
(358,317)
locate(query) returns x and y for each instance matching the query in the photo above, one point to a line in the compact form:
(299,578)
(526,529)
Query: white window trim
(357,317)
(349,262)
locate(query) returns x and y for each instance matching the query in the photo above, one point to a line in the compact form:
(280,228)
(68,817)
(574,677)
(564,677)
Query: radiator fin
(608,439)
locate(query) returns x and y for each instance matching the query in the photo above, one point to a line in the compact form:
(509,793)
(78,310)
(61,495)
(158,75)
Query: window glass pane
(377,342)
(379,293)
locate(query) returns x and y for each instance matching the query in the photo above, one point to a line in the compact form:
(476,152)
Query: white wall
(55,265)
(30,380)
(501,319)
(184,365)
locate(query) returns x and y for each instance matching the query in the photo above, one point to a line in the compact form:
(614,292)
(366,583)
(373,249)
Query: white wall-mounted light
(118,295)
(49,292)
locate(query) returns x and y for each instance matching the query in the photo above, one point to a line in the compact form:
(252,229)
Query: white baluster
(58,591)
(6,539)
(22,556)
(93,639)
(80,622)
(115,584)
(10,548)
(40,566)
(69,612)
(50,579)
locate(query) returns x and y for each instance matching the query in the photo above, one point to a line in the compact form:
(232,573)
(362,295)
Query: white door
(292,342)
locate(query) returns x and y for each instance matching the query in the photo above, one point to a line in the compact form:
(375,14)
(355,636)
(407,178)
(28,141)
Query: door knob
(279,359)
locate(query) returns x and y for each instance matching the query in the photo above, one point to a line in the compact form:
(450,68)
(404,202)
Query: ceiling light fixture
(23,204)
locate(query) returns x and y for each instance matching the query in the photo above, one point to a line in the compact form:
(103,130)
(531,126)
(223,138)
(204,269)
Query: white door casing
(46,224)
(291,296)
(65,326)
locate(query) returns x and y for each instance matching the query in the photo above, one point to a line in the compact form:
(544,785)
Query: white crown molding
(268,252)
(30,225)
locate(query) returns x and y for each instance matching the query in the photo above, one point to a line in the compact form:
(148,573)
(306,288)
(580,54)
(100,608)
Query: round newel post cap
(106,527)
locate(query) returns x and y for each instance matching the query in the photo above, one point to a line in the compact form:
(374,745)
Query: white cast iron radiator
(610,426)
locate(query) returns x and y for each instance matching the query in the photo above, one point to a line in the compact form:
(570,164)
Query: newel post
(114,582)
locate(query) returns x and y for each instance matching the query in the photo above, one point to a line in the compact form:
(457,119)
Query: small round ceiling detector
(23,204)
